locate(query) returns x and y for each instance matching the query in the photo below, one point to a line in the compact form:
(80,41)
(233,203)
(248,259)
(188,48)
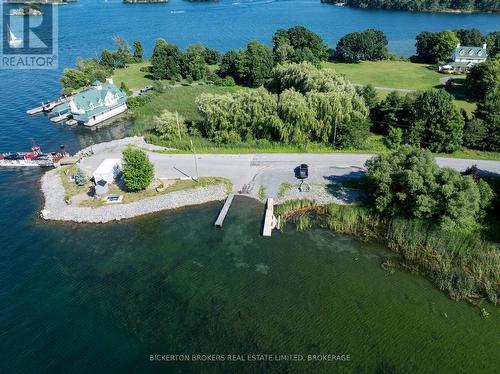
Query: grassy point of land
(136,79)
(391,74)
(175,99)
(133,77)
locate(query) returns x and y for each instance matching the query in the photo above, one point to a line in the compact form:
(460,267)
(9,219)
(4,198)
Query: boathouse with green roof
(101,102)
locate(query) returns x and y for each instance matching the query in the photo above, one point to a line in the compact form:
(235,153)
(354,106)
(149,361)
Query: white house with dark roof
(463,58)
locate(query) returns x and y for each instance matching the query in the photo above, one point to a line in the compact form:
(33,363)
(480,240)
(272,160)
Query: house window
(471,52)
(480,53)
(461,51)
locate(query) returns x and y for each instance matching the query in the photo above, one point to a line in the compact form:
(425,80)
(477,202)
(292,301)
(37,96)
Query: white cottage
(463,58)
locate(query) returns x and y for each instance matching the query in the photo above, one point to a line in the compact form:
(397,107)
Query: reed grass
(462,264)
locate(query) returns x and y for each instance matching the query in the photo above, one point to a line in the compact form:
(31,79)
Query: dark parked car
(303,171)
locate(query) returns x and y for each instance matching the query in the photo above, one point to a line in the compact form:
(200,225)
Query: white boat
(14,41)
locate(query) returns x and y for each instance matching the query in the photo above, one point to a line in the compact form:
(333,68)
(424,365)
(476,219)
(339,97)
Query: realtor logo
(29,36)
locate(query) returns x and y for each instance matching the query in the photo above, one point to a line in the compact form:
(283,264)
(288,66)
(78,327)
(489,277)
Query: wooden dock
(69,160)
(224,210)
(270,221)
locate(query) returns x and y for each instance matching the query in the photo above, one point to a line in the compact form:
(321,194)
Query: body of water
(84,298)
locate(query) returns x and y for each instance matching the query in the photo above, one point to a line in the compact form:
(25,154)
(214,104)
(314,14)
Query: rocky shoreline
(56,209)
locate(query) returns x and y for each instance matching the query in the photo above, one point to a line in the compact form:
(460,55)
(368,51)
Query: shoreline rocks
(56,209)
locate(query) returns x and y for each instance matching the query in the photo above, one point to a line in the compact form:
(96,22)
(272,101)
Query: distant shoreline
(446,11)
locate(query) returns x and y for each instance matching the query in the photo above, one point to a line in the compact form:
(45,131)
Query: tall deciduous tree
(257,64)
(493,43)
(470,37)
(299,44)
(482,78)
(435,121)
(193,64)
(370,44)
(166,60)
(433,47)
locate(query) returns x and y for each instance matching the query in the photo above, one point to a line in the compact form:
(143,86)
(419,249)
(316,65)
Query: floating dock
(69,160)
(60,117)
(47,107)
(224,210)
(270,221)
(38,109)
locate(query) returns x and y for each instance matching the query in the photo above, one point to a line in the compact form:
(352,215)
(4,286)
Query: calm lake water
(85,298)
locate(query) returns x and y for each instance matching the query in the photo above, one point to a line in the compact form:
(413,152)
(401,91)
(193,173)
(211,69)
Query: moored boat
(27,159)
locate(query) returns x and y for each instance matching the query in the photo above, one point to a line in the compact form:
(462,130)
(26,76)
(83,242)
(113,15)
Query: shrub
(394,138)
(80,177)
(138,171)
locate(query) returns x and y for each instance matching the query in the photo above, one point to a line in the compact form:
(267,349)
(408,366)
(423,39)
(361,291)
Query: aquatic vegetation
(283,188)
(262,192)
(461,264)
(304,222)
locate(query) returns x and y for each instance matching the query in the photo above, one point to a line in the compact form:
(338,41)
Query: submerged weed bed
(464,265)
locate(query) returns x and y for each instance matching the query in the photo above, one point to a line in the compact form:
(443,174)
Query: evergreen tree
(138,51)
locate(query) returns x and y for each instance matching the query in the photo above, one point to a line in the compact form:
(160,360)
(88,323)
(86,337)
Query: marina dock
(270,221)
(48,106)
(224,210)
(60,117)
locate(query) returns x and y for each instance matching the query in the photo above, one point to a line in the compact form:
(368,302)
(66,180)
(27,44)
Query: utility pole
(335,132)
(178,127)
(195,162)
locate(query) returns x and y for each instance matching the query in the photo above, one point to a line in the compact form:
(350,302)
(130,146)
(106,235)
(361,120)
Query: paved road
(405,90)
(249,171)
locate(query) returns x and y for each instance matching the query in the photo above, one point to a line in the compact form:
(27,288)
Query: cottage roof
(470,52)
(93,100)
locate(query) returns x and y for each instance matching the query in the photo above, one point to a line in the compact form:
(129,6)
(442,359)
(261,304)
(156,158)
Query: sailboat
(14,41)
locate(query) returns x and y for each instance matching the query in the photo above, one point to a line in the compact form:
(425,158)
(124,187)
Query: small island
(39,1)
(28,10)
(144,1)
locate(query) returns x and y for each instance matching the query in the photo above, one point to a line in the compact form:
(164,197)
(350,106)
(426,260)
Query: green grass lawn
(180,99)
(133,77)
(396,74)
(391,74)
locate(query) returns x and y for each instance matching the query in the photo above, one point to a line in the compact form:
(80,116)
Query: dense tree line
(409,183)
(424,5)
(427,119)
(90,70)
(168,61)
(483,130)
(253,66)
(304,104)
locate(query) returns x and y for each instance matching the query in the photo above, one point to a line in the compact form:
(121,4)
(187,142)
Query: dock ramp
(270,221)
(224,210)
